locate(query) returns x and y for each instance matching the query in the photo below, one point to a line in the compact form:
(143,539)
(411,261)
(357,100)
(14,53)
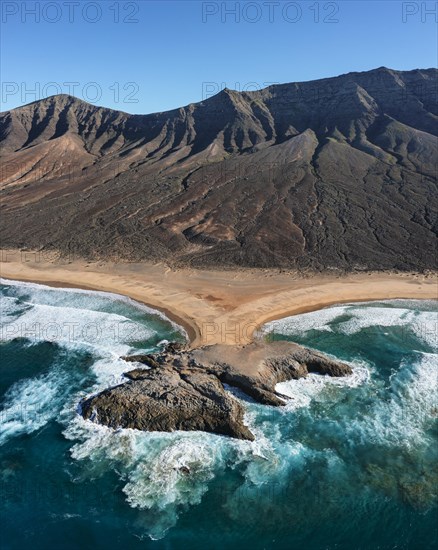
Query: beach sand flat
(218,307)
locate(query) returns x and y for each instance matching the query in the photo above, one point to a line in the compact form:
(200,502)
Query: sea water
(347,463)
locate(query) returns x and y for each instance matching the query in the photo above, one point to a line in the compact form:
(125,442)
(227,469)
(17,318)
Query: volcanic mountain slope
(335,173)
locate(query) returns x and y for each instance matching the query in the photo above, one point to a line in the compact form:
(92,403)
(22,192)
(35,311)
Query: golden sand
(218,306)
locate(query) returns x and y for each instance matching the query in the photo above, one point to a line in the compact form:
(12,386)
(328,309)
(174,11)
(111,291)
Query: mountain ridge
(294,175)
(381,69)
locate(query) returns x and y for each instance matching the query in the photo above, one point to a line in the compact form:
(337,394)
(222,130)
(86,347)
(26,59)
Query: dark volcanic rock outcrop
(183,390)
(168,399)
(334,173)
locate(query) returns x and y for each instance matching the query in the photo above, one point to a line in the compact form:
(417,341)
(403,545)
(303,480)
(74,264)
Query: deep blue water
(346,464)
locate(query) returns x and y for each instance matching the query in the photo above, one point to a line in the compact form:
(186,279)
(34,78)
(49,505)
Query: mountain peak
(60,101)
(286,176)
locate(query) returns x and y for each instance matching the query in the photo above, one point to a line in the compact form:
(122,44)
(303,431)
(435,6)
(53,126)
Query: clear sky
(147,56)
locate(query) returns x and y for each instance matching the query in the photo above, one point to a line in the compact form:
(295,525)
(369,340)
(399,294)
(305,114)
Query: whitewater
(348,462)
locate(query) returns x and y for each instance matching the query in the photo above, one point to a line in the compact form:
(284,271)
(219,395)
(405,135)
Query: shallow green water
(348,463)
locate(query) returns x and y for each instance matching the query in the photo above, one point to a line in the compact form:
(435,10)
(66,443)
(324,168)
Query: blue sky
(147,56)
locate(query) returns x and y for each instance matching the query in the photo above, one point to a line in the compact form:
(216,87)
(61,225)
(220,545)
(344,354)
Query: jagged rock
(174,347)
(165,399)
(142,358)
(183,390)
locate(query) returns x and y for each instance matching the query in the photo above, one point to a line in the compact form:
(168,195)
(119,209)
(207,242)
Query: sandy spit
(224,307)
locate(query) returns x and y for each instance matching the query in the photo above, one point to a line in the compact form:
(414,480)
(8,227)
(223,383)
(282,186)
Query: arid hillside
(335,173)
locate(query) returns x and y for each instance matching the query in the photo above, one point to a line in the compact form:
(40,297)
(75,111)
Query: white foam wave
(367,315)
(424,324)
(315,320)
(75,326)
(78,298)
(28,405)
(402,419)
(167,472)
(164,472)
(106,335)
(10,309)
(301,392)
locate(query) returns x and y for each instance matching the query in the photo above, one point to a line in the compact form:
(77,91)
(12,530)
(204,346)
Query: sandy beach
(225,307)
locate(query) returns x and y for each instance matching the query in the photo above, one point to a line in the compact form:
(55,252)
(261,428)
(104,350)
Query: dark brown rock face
(166,399)
(178,392)
(336,173)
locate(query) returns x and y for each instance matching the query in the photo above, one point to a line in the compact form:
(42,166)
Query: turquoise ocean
(347,463)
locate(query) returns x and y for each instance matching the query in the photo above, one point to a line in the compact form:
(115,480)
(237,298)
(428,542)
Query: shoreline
(216,307)
(191,333)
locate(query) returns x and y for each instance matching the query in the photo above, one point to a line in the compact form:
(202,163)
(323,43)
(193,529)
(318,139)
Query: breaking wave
(371,434)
